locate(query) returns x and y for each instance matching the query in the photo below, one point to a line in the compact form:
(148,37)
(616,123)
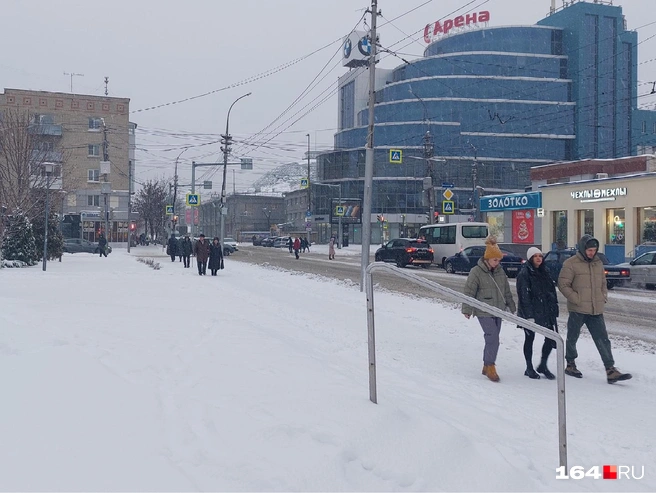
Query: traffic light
(175,219)
(436,215)
(379,217)
(133,226)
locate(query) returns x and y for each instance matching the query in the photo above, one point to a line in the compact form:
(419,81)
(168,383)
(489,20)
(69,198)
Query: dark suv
(406,251)
(615,275)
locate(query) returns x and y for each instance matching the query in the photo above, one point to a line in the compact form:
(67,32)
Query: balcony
(50,156)
(45,129)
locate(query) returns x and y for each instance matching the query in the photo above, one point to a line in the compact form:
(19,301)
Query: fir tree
(55,239)
(18,243)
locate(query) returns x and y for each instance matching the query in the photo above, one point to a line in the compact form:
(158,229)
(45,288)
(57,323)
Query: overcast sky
(160,51)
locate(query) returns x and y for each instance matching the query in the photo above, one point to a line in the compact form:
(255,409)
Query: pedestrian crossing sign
(447,207)
(305,183)
(339,210)
(169,210)
(193,199)
(396,156)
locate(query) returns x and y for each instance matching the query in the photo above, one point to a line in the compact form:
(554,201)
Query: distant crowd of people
(207,254)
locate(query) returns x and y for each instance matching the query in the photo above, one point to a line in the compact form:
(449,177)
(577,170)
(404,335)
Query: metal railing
(460,297)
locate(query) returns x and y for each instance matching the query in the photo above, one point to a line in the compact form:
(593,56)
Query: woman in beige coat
(487,282)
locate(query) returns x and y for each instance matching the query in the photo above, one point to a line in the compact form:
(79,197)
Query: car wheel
(400,264)
(610,284)
(377,258)
(650,286)
(449,268)
(425,266)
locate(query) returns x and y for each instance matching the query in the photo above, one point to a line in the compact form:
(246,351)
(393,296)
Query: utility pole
(369,156)
(129,203)
(73,75)
(428,154)
(105,186)
(309,198)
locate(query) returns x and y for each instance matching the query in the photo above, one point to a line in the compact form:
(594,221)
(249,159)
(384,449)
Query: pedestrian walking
(487,282)
(187,248)
(215,256)
(202,252)
(331,248)
(102,245)
(537,300)
(583,282)
(290,244)
(297,247)
(172,247)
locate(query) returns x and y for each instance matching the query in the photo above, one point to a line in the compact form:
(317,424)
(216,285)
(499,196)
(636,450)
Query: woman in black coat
(216,256)
(536,292)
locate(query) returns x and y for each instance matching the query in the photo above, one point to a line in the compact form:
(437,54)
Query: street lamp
(47,168)
(226,150)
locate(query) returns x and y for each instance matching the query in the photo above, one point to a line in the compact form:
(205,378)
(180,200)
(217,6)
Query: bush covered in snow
(18,242)
(12,263)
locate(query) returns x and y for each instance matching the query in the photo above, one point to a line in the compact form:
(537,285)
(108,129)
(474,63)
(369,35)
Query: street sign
(540,212)
(447,207)
(246,163)
(448,194)
(305,182)
(207,185)
(169,210)
(396,156)
(511,201)
(448,185)
(339,210)
(308,213)
(193,199)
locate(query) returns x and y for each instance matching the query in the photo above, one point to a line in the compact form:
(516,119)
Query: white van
(449,239)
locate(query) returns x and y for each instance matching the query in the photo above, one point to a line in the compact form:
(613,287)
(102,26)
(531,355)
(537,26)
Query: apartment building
(79,133)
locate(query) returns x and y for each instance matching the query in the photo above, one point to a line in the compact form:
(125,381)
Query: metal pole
(226,150)
(369,156)
(309,207)
(45,231)
(129,203)
(340,234)
(194,229)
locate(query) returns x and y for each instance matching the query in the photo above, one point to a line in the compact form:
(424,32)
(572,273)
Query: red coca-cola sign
(437,28)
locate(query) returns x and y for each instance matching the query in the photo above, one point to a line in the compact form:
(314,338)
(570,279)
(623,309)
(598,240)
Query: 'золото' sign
(437,29)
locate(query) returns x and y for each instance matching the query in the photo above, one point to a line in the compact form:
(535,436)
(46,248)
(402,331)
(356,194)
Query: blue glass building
(494,102)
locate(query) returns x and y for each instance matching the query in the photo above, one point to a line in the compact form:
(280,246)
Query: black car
(615,275)
(406,251)
(466,260)
(78,245)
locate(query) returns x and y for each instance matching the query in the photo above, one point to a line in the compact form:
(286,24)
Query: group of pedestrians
(581,281)
(296,245)
(204,251)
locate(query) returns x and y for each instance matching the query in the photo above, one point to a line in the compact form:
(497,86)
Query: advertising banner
(350,209)
(523,227)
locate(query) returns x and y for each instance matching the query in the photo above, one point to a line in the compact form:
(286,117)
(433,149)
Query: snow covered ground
(115,376)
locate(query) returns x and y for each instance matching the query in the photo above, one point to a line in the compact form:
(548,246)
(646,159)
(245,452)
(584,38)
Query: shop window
(647,225)
(559,233)
(615,226)
(495,221)
(586,223)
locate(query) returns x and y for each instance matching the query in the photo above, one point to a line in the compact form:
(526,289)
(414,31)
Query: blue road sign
(448,185)
(511,201)
(308,213)
(447,207)
(339,210)
(304,183)
(169,210)
(396,156)
(193,199)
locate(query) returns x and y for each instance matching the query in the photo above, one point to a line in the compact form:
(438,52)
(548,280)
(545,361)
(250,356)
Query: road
(629,312)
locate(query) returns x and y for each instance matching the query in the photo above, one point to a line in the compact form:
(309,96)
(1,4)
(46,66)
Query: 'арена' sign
(436,29)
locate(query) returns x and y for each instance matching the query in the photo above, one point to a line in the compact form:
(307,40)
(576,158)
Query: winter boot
(484,372)
(530,373)
(572,371)
(614,375)
(542,368)
(491,373)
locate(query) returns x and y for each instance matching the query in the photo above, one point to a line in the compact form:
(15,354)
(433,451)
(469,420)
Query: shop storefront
(620,212)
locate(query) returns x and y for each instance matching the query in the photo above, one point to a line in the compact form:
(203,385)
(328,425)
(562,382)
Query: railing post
(371,339)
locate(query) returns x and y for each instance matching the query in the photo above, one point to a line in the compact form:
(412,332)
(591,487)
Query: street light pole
(226,138)
(48,170)
(309,198)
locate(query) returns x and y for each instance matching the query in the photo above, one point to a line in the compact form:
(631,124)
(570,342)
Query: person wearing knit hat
(537,300)
(487,282)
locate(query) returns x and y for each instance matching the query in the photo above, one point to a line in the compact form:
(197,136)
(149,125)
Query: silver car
(643,269)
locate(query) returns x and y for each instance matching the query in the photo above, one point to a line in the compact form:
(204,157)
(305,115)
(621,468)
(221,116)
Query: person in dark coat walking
(172,247)
(102,245)
(290,244)
(216,256)
(537,300)
(297,247)
(186,251)
(202,251)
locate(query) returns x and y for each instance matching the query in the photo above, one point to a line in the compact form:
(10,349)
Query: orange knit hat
(492,250)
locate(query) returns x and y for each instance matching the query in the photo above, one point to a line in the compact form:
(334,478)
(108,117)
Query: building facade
(83,130)
(483,106)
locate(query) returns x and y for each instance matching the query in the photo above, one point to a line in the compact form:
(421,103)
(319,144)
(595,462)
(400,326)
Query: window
(447,235)
(644,127)
(95,124)
(44,119)
(93,199)
(45,146)
(615,226)
(94,150)
(654,129)
(474,232)
(93,175)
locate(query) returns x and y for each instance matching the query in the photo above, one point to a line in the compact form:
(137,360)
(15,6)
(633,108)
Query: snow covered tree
(18,242)
(55,238)
(150,203)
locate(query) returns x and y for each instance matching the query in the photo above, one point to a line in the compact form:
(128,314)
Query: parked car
(268,242)
(280,242)
(228,249)
(616,275)
(643,269)
(406,251)
(231,242)
(79,245)
(466,260)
